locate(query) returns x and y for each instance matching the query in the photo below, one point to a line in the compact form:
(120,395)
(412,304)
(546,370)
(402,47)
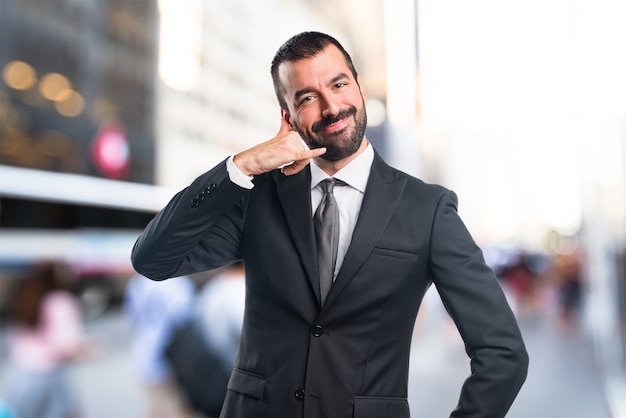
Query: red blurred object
(110,151)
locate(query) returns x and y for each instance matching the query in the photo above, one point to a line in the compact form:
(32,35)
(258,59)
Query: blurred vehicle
(101,221)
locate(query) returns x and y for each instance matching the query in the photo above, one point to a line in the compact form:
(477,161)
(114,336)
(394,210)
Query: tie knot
(328,184)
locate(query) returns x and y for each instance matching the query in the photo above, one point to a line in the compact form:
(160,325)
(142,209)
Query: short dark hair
(301,46)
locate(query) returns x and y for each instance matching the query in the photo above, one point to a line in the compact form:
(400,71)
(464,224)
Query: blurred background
(108,107)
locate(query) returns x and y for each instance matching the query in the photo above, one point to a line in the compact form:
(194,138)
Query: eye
(340,84)
(306,99)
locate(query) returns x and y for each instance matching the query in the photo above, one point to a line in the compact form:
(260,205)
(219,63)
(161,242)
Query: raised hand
(286,150)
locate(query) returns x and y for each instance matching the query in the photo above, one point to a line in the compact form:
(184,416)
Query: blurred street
(562,380)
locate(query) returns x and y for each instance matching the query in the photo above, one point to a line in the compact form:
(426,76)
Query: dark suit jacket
(349,358)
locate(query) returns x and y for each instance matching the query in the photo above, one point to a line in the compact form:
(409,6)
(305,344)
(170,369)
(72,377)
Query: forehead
(308,72)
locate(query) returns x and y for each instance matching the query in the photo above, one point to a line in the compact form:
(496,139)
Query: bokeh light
(54,86)
(19,75)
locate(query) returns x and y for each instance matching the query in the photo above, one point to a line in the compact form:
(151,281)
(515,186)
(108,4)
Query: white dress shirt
(349,198)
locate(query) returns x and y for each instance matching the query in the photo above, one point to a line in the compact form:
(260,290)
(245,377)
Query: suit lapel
(294,193)
(381,197)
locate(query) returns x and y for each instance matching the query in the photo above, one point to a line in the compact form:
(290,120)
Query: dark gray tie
(326,221)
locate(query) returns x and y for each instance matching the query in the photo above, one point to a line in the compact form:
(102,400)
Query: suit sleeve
(198,230)
(474,299)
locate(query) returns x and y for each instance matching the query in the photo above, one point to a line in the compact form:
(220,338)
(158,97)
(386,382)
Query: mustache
(329,120)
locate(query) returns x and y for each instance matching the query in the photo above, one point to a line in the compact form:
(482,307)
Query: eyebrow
(305,90)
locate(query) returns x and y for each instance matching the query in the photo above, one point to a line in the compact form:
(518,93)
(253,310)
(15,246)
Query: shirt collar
(355,174)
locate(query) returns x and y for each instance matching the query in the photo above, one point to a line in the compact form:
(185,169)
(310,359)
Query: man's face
(326,104)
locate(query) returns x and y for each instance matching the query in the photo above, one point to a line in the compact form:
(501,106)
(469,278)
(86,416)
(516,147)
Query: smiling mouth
(335,127)
(334,123)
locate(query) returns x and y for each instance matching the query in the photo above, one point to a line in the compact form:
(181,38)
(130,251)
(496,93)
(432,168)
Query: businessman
(339,249)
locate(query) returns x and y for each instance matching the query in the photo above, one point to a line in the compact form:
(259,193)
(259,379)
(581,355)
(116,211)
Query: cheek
(304,120)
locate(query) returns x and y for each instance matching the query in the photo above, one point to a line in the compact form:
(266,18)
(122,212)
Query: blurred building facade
(71,69)
(77,123)
(77,96)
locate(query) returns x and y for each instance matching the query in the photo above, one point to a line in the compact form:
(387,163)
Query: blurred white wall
(523,104)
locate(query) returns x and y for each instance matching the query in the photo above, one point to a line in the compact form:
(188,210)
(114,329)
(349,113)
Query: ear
(287,118)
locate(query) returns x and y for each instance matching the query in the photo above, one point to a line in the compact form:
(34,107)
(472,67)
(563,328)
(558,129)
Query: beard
(340,144)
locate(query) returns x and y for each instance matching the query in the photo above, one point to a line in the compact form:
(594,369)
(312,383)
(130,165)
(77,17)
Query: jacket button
(318,330)
(299,394)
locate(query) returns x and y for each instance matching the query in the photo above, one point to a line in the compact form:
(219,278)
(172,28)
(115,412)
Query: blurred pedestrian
(221,306)
(45,334)
(522,282)
(569,282)
(202,352)
(154,311)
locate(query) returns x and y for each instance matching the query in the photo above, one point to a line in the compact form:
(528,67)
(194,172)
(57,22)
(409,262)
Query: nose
(329,107)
